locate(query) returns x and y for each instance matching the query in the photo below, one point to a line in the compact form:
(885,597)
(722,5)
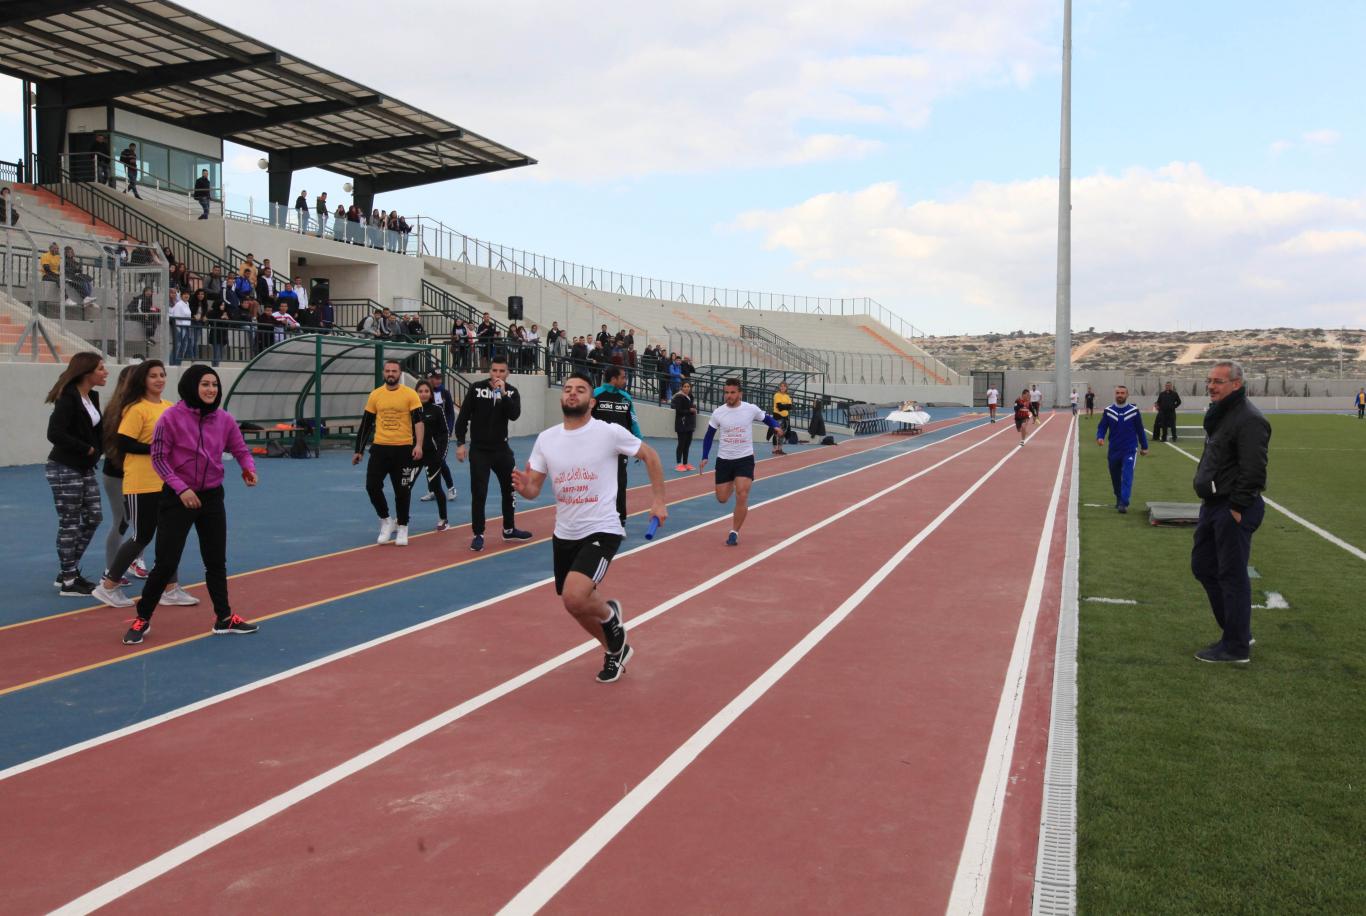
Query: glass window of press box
(162,165)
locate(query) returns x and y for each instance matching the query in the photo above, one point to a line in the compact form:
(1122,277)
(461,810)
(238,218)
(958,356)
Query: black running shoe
(614,628)
(137,631)
(233,626)
(516,534)
(478,543)
(1219,654)
(614,665)
(77,588)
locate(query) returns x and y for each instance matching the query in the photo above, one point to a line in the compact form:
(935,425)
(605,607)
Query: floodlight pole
(1062,373)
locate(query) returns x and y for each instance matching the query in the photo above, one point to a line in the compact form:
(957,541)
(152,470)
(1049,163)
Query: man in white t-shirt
(993,401)
(1074,402)
(734,421)
(1035,400)
(580,458)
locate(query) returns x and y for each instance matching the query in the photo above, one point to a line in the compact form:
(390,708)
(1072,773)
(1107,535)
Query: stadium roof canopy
(167,62)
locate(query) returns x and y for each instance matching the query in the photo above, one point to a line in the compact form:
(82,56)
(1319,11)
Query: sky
(904,150)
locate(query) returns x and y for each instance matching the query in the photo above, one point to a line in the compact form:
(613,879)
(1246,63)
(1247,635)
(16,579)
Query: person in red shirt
(1022,413)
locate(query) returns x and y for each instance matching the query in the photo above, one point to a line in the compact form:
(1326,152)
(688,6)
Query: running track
(804,727)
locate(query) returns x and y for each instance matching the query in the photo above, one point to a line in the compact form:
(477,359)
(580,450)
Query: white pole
(1062,373)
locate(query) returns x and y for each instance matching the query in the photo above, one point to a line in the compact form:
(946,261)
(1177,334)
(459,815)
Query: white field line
(415,628)
(131,880)
(569,863)
(1096,600)
(970,883)
(1326,535)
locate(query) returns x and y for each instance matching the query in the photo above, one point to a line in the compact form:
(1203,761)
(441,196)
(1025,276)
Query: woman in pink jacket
(187,454)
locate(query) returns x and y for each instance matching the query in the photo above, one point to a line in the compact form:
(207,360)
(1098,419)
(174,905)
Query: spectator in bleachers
(129,158)
(248,267)
(326,318)
(458,343)
(686,368)
(354,233)
(578,355)
(532,337)
(50,263)
(339,224)
(320,206)
(265,328)
(181,278)
(300,293)
(143,308)
(9,214)
(267,287)
(403,231)
(180,319)
(374,229)
(391,231)
(288,297)
(169,254)
(141,255)
(214,285)
(630,337)
(216,316)
(203,192)
(604,338)
(199,316)
(243,288)
(675,376)
(77,279)
(285,323)
(597,361)
(487,332)
(413,329)
(308,319)
(301,208)
(631,359)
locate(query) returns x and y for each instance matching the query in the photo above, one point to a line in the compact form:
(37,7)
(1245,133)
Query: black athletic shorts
(1034,408)
(727,469)
(590,556)
(1020,421)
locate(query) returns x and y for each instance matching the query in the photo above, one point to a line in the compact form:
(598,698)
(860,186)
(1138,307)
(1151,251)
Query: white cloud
(599,90)
(1322,137)
(1150,248)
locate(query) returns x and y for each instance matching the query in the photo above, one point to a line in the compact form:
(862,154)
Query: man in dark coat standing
(1229,482)
(1167,402)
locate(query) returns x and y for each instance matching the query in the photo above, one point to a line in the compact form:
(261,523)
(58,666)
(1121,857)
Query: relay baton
(654,526)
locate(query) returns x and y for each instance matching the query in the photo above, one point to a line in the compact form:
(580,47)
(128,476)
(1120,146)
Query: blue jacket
(1125,425)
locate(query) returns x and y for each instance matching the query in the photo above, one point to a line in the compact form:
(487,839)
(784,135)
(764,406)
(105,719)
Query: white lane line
(569,863)
(1097,600)
(189,708)
(1328,536)
(131,880)
(970,883)
(1275,601)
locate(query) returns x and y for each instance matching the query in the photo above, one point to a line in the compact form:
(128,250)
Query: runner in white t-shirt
(734,420)
(580,458)
(1035,401)
(1074,402)
(993,400)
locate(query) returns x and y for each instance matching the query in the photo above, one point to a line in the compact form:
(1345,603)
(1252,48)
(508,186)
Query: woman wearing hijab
(75,431)
(187,454)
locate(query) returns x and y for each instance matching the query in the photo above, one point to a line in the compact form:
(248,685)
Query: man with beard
(393,413)
(1124,422)
(580,458)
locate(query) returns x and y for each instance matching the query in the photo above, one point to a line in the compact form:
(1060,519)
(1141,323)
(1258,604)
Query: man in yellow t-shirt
(393,412)
(782,410)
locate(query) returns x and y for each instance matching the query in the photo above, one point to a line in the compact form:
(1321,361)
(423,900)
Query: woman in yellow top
(782,410)
(138,405)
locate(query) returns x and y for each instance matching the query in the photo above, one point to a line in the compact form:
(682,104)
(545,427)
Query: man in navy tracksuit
(612,404)
(1124,422)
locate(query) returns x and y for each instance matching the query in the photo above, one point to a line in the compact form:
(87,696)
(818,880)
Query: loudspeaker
(319,289)
(514,308)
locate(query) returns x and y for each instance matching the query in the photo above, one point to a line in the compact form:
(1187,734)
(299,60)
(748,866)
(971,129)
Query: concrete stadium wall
(941,395)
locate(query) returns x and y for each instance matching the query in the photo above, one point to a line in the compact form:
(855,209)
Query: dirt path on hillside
(1191,355)
(1087,348)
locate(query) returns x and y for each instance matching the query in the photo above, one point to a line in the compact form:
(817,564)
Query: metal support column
(1062,373)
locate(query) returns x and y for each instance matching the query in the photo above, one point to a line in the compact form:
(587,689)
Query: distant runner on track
(735,456)
(580,456)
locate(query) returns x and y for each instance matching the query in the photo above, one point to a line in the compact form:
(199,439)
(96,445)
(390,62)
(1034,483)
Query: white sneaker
(175,596)
(138,569)
(88,300)
(402,539)
(114,597)
(427,497)
(386,531)
(451,494)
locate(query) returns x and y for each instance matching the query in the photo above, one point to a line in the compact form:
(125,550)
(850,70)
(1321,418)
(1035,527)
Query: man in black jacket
(1167,402)
(1229,482)
(129,158)
(203,192)
(484,415)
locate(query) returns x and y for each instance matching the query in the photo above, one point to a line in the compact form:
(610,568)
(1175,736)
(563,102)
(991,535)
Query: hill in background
(1289,352)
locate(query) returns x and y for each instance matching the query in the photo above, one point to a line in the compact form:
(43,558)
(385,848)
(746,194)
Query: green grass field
(1225,788)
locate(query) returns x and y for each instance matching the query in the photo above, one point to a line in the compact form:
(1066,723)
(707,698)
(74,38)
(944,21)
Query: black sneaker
(478,543)
(1122,509)
(234,625)
(137,631)
(57,581)
(516,534)
(77,588)
(1217,653)
(614,628)
(614,665)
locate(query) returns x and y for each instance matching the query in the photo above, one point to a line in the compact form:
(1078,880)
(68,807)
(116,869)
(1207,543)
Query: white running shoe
(427,497)
(89,300)
(386,531)
(138,569)
(114,597)
(451,493)
(175,596)
(402,539)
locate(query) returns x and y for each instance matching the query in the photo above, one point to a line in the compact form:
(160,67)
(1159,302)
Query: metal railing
(842,367)
(796,356)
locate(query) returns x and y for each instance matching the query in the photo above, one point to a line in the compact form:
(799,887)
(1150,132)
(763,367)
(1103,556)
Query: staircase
(941,378)
(783,349)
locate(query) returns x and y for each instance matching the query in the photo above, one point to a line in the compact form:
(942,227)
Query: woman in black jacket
(76,432)
(685,424)
(434,448)
(217,316)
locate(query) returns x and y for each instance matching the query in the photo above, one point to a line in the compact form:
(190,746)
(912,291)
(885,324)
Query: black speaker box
(514,308)
(320,289)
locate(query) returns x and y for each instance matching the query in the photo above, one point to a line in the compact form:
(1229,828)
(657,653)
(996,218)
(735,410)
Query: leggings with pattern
(77,496)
